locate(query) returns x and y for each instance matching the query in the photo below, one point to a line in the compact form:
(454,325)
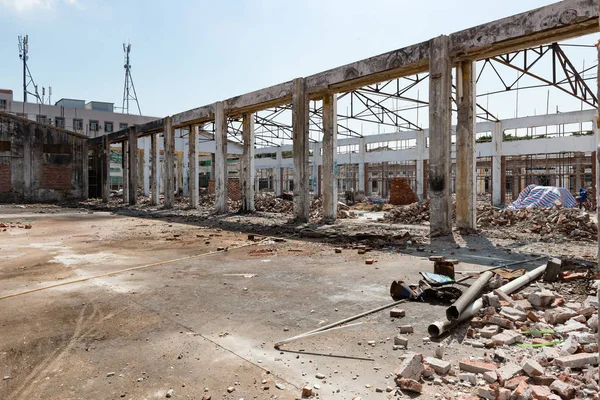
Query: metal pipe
(343,321)
(453,312)
(439,327)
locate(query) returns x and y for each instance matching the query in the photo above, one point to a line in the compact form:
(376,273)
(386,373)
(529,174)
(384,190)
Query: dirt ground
(202,313)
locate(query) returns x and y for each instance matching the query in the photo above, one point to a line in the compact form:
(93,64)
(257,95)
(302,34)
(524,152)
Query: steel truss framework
(368,104)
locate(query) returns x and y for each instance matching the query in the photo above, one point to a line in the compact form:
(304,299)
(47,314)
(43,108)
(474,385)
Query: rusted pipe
(453,312)
(439,327)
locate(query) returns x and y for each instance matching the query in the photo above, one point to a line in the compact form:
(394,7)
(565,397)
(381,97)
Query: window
(122,126)
(94,126)
(78,124)
(50,148)
(108,127)
(59,122)
(4,145)
(42,119)
(3,104)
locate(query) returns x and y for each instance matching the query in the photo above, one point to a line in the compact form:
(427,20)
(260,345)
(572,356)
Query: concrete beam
(440,113)
(329,153)
(466,197)
(154,170)
(248,170)
(220,158)
(169,164)
(300,121)
(132,159)
(193,159)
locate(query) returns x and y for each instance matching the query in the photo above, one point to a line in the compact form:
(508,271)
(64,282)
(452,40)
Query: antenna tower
(129,88)
(27,78)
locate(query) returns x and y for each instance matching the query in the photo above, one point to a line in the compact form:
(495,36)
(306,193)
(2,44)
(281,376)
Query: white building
(92,119)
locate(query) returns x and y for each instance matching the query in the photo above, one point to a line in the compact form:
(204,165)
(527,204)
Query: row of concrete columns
(440,161)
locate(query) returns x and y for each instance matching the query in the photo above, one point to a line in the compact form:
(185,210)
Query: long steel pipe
(453,312)
(439,327)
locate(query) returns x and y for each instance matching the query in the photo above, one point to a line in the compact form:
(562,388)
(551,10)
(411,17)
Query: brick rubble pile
(268,202)
(401,193)
(414,213)
(540,345)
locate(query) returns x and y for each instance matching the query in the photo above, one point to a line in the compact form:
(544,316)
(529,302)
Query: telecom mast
(27,78)
(129,89)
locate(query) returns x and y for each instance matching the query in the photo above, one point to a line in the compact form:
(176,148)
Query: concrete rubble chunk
(400,340)
(491,300)
(507,337)
(491,393)
(440,367)
(477,367)
(513,314)
(572,326)
(490,376)
(569,346)
(501,322)
(558,315)
(412,367)
(533,368)
(592,323)
(576,360)
(306,392)
(468,377)
(489,331)
(563,389)
(583,337)
(397,313)
(410,385)
(540,392)
(406,329)
(509,370)
(543,298)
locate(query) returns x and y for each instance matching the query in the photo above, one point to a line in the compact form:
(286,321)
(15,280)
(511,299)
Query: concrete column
(578,169)
(502,179)
(169,148)
(132,156)
(186,168)
(440,112)
(278,177)
(419,164)
(105,169)
(300,123)
(496,164)
(248,170)
(362,152)
(220,158)
(193,174)
(329,152)
(212,166)
(146,178)
(466,199)
(125,168)
(155,170)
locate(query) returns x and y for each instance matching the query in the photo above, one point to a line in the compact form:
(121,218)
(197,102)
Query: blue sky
(190,53)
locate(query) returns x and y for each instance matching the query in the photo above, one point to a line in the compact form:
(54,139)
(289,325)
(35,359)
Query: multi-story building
(92,119)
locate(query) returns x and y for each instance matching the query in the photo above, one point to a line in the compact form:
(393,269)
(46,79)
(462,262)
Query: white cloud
(28,5)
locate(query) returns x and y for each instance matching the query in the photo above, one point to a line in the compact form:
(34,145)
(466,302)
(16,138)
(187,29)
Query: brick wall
(401,193)
(56,177)
(4,178)
(234,191)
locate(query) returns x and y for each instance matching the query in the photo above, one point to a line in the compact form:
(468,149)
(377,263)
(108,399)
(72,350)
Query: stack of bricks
(234,191)
(401,193)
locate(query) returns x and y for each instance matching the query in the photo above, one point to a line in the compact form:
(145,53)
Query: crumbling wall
(234,191)
(41,163)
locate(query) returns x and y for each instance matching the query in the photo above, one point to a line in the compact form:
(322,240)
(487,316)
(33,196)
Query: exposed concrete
(146,168)
(440,113)
(193,168)
(220,158)
(169,164)
(125,167)
(329,152)
(105,169)
(155,169)
(133,165)
(247,170)
(300,121)
(278,177)
(362,149)
(466,197)
(497,139)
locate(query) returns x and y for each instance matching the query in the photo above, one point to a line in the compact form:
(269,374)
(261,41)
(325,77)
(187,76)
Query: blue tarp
(543,196)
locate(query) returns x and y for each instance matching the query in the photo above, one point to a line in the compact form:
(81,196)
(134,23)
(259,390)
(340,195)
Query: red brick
(401,193)
(5,178)
(234,191)
(56,177)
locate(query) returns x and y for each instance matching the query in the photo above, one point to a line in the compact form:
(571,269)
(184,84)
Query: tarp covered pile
(543,197)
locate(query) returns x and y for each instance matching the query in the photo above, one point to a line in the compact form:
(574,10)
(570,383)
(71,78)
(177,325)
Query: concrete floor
(198,325)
